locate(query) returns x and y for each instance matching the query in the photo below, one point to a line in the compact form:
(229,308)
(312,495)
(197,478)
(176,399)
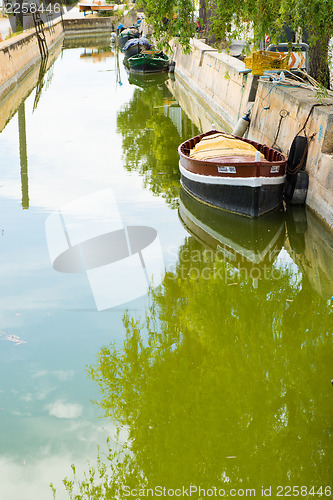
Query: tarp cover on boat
(222,145)
(130,31)
(136,41)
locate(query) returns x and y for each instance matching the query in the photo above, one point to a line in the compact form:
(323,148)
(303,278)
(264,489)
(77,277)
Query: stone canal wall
(94,26)
(216,78)
(218,81)
(300,106)
(20,53)
(18,93)
(97,25)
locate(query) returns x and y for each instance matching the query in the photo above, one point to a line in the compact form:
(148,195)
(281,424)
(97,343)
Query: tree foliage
(313,17)
(151,139)
(169,19)
(223,382)
(250,19)
(223,385)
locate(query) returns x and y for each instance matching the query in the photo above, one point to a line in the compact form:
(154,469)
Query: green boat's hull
(148,63)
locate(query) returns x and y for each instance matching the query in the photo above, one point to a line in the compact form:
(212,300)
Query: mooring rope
(282,115)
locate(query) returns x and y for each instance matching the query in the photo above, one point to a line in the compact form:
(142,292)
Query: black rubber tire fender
(298,146)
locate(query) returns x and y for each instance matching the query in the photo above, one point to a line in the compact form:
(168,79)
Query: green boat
(148,61)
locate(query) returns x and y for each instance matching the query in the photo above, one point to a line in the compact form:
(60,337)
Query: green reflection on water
(232,388)
(153,125)
(228,377)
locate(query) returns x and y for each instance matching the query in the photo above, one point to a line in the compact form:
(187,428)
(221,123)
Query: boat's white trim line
(231,181)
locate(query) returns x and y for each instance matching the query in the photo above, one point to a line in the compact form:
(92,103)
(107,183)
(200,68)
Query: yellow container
(263,60)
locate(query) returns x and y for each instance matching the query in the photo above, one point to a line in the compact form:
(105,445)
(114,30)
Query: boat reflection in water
(250,245)
(144,80)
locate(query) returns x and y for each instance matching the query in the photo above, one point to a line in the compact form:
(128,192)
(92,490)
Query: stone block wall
(219,82)
(300,106)
(20,53)
(216,78)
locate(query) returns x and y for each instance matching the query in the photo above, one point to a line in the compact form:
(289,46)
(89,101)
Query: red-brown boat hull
(239,185)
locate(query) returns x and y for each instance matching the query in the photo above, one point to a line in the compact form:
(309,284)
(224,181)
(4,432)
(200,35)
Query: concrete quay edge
(221,82)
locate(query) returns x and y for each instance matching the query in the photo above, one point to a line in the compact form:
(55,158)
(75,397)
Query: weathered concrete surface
(10,103)
(20,53)
(91,25)
(265,117)
(215,78)
(79,26)
(201,115)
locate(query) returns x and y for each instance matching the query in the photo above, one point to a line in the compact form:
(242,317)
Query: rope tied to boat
(307,119)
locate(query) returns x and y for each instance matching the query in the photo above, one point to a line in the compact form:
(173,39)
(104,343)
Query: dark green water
(220,377)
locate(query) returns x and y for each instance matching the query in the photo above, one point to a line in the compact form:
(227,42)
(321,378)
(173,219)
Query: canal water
(149,341)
